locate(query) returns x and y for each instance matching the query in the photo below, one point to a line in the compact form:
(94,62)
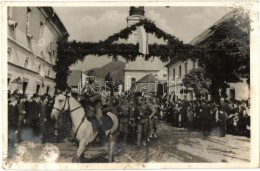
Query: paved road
(176,145)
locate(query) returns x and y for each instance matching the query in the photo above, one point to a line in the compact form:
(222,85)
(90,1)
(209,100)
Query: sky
(92,24)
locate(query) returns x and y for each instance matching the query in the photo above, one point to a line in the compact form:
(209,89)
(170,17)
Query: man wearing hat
(92,101)
(12,124)
(141,120)
(222,117)
(22,113)
(34,111)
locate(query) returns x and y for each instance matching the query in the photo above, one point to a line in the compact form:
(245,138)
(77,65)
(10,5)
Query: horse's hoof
(75,159)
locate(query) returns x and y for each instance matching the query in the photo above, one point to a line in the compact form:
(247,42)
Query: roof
(56,19)
(149,78)
(74,78)
(206,33)
(141,64)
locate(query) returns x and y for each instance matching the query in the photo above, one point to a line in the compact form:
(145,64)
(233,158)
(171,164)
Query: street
(175,145)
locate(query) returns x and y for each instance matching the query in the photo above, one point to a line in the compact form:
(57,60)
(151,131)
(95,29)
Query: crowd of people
(29,118)
(228,116)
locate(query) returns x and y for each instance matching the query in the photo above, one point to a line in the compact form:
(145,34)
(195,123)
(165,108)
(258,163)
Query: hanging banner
(143,40)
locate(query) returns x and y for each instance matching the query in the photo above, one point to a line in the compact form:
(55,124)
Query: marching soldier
(132,115)
(154,117)
(124,119)
(142,121)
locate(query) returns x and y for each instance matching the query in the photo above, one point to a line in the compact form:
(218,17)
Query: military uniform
(91,100)
(154,118)
(124,119)
(141,119)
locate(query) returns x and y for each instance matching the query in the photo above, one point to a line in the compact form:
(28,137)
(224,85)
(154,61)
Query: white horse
(81,126)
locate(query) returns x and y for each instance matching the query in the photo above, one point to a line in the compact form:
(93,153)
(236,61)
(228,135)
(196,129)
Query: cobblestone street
(175,145)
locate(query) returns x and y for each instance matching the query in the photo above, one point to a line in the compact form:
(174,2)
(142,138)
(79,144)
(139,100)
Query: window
(186,68)
(37,88)
(25,83)
(232,93)
(173,73)
(26,63)
(10,12)
(180,71)
(49,72)
(47,89)
(41,29)
(193,64)
(28,20)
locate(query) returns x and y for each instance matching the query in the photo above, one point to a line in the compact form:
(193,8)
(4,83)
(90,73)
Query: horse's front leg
(81,148)
(112,146)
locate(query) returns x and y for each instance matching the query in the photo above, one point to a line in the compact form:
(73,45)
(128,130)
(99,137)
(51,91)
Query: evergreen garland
(69,52)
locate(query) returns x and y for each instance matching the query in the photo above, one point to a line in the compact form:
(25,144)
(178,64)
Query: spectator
(33,110)
(12,124)
(21,113)
(43,117)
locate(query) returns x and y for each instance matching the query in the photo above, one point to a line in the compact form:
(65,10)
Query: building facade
(32,36)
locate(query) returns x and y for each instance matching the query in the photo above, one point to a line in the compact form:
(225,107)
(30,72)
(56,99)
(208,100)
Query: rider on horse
(92,101)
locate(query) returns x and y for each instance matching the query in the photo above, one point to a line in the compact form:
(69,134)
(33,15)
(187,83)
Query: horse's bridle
(62,111)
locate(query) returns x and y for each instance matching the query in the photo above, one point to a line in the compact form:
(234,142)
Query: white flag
(143,40)
(46,38)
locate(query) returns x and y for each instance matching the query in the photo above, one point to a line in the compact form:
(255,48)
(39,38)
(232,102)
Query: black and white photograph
(130,87)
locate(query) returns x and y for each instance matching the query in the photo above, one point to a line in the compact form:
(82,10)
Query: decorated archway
(69,52)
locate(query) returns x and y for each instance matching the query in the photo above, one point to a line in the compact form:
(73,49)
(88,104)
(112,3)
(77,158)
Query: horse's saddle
(106,120)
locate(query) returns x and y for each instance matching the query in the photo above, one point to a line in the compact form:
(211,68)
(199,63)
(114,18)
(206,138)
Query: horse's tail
(115,123)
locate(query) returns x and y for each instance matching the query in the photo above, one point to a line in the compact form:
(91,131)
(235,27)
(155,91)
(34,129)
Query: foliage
(225,54)
(198,81)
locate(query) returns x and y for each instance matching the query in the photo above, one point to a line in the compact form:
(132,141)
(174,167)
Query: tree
(198,81)
(225,53)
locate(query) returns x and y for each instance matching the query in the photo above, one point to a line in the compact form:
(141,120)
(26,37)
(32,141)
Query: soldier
(124,119)
(154,107)
(142,121)
(91,100)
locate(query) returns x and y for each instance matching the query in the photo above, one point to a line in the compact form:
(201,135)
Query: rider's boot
(102,134)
